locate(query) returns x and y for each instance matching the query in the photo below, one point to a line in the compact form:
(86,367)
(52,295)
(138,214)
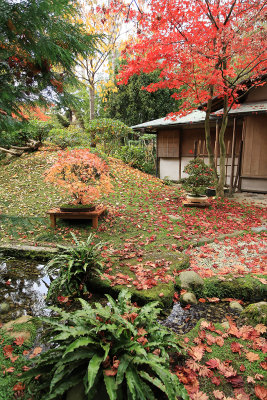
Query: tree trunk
(221,181)
(92,101)
(208,139)
(92,112)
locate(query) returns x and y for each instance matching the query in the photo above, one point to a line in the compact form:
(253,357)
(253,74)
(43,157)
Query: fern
(73,266)
(110,348)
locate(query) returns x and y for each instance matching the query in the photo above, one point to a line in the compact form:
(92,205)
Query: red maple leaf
(8,349)
(219,341)
(216,380)
(213,363)
(263,364)
(252,356)
(261,392)
(236,381)
(18,387)
(233,328)
(199,396)
(242,394)
(218,394)
(196,352)
(236,347)
(19,341)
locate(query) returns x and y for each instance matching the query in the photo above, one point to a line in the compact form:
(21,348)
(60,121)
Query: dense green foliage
(35,36)
(108,133)
(138,156)
(71,268)
(117,351)
(67,137)
(200,177)
(132,105)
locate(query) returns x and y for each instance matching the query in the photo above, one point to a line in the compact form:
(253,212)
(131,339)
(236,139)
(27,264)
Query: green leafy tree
(132,105)
(40,43)
(108,132)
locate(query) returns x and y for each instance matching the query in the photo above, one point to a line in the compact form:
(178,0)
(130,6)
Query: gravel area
(237,256)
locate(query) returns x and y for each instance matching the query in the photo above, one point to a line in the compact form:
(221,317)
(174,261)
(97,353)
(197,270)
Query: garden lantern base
(93,215)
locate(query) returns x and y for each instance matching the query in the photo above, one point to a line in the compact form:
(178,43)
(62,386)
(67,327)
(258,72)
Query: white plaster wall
(254,185)
(169,167)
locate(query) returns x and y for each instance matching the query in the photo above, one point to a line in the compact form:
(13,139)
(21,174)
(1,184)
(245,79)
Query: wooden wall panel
(254,160)
(168,144)
(196,134)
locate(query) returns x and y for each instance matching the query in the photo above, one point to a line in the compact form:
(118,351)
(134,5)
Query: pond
(182,320)
(23,287)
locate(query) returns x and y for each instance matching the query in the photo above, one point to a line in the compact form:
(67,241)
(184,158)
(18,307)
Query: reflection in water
(23,286)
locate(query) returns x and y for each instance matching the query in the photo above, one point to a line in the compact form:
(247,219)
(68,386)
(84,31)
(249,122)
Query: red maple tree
(203,48)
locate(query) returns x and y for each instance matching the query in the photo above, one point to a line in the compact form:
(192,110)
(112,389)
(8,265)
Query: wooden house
(183,138)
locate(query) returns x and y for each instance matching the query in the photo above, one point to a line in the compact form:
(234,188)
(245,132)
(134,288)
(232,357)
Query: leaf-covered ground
(147,224)
(225,364)
(146,233)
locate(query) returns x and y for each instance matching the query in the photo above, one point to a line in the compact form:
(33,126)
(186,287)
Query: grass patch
(14,358)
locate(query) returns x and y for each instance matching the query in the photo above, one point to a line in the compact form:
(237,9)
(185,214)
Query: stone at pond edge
(234,305)
(256,312)
(190,280)
(188,298)
(23,333)
(4,308)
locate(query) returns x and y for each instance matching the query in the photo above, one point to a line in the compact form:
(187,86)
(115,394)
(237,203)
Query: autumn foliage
(204,49)
(83,174)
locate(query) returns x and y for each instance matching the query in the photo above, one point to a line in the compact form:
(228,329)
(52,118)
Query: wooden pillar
(233,158)
(157,156)
(195,148)
(53,220)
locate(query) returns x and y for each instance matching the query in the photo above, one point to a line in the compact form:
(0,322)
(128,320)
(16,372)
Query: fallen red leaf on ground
(261,392)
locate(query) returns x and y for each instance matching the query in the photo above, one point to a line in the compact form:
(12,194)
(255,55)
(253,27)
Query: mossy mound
(162,292)
(256,313)
(244,288)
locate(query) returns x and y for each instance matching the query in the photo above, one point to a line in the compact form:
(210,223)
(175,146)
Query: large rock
(235,306)
(190,280)
(188,298)
(256,313)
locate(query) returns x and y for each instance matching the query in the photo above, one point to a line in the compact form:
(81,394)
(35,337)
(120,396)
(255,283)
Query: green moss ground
(225,353)
(8,379)
(246,288)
